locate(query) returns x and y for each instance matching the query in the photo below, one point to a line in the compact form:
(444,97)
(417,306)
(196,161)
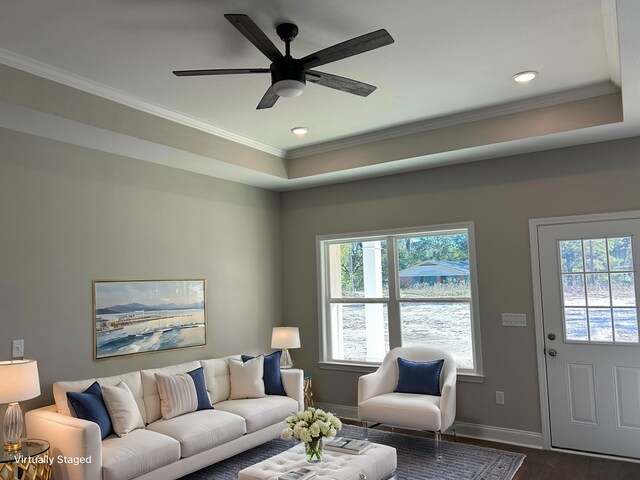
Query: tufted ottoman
(377,463)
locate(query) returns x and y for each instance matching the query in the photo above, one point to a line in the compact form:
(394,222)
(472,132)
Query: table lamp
(18,381)
(285,338)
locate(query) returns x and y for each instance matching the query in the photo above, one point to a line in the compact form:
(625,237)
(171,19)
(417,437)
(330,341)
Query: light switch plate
(514,320)
(17,348)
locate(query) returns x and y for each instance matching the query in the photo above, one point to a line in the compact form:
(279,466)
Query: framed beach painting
(143,316)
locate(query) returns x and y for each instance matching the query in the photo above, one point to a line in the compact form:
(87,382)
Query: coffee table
(377,463)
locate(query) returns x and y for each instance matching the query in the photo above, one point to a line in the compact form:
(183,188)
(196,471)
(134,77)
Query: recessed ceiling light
(523,77)
(300,130)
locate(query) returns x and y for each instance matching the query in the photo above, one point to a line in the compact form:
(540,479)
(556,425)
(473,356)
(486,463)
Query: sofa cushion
(260,412)
(139,452)
(246,378)
(201,430)
(419,377)
(89,405)
(412,410)
(271,376)
(217,378)
(150,387)
(122,408)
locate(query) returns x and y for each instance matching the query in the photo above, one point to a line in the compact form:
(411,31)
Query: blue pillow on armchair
(271,376)
(419,377)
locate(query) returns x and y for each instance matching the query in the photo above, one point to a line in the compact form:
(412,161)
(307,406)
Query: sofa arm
(293,383)
(370,385)
(76,446)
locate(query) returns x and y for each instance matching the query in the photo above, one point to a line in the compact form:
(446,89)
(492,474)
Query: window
(382,290)
(598,291)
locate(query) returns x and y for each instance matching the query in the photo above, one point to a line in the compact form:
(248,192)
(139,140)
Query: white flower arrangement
(310,425)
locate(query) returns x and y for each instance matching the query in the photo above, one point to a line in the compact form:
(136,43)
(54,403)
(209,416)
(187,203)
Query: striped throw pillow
(177,394)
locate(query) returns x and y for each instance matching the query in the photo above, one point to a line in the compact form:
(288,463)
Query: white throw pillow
(122,408)
(177,394)
(246,378)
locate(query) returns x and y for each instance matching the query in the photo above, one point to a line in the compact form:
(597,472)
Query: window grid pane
(444,325)
(598,290)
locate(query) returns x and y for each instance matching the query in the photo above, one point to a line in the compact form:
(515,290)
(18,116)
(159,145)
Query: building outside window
(380,290)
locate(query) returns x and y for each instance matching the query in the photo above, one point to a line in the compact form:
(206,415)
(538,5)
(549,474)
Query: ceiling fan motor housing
(287,69)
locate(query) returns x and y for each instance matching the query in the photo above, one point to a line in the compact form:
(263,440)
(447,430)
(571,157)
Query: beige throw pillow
(246,378)
(177,394)
(122,408)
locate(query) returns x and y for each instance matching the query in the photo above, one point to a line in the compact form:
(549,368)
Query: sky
(153,292)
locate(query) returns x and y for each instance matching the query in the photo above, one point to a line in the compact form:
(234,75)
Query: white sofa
(165,449)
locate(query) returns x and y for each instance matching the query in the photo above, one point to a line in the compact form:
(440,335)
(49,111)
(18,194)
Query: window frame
(394,298)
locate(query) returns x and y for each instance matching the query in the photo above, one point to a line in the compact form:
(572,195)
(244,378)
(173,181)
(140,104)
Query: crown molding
(556,98)
(96,88)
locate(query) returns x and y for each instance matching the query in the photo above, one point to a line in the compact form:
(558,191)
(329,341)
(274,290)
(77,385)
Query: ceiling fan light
(288,88)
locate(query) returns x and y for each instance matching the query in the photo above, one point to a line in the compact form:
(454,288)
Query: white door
(589,285)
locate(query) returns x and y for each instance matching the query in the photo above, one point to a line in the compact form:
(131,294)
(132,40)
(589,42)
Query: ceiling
(445,92)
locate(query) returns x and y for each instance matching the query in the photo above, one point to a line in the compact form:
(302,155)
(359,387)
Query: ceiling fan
(289,75)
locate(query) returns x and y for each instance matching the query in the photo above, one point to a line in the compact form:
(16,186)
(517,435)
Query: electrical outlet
(17,349)
(499,397)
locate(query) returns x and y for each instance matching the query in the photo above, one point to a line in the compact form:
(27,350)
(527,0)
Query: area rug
(416,459)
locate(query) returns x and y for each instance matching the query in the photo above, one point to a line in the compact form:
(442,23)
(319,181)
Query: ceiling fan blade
(255,35)
(361,44)
(340,83)
(268,99)
(219,71)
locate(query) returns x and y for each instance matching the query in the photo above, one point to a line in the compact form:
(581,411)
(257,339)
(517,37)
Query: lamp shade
(285,337)
(18,380)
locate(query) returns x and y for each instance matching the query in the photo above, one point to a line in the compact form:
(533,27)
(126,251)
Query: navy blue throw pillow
(89,405)
(271,376)
(419,377)
(201,389)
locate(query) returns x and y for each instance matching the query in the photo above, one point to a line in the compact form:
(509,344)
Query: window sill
(364,368)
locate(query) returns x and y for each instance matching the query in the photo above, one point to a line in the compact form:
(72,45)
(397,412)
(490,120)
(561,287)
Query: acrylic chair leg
(365,430)
(438,438)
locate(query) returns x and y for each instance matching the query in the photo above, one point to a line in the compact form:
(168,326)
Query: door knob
(552,352)
(551,336)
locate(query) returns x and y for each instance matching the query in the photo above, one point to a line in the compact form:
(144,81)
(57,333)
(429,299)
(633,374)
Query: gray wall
(70,215)
(500,195)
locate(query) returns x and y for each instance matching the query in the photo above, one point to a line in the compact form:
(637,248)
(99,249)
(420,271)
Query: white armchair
(379,404)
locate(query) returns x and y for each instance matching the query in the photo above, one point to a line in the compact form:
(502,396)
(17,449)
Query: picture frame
(132,317)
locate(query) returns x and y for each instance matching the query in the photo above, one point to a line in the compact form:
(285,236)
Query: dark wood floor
(551,465)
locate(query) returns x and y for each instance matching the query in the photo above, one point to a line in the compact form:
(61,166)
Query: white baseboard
(499,434)
(463,429)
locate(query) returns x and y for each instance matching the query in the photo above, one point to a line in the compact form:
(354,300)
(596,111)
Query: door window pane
(625,323)
(571,256)
(434,266)
(600,325)
(360,331)
(575,324)
(445,325)
(595,255)
(573,290)
(598,289)
(623,290)
(620,256)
